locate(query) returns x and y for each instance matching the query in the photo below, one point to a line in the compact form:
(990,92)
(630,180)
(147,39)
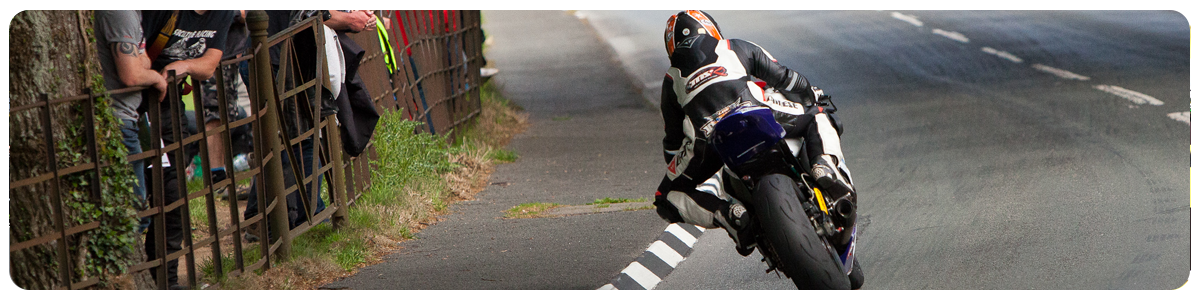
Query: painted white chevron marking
(683,235)
(665,253)
(642,275)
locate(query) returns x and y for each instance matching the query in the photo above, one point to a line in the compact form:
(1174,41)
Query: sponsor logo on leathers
(705,75)
(711,121)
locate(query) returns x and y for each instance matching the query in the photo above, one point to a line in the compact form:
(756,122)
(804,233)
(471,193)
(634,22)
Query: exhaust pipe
(844,214)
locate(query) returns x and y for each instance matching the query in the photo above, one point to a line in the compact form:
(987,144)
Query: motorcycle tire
(856,276)
(803,255)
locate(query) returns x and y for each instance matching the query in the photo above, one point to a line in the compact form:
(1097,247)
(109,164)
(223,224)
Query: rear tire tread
(802,254)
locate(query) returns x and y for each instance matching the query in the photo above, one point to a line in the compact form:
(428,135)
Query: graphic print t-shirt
(193,35)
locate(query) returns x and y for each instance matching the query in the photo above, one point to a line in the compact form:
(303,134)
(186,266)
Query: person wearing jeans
(122,52)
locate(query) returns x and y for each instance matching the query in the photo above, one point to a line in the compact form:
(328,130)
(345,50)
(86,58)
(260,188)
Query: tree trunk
(52,53)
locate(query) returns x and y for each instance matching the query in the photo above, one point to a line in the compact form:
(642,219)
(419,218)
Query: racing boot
(833,184)
(736,221)
(844,204)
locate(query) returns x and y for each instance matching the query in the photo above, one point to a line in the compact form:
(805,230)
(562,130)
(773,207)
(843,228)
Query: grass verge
(608,200)
(415,178)
(604,203)
(529,210)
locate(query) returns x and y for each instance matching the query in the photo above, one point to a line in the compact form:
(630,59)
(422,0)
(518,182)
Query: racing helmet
(689,27)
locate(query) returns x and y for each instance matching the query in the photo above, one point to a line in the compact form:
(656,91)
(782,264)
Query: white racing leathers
(707,78)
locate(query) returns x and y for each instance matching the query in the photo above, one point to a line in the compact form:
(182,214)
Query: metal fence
(437,56)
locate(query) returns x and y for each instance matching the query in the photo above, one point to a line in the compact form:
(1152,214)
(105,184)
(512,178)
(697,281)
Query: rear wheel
(802,254)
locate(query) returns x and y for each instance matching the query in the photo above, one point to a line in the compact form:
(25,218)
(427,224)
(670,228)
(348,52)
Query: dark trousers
(296,208)
(173,219)
(173,223)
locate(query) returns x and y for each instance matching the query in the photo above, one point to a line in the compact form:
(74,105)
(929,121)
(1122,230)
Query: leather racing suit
(707,76)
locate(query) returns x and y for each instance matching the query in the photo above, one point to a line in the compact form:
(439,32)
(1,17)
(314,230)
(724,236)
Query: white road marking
(1135,97)
(1060,72)
(607,287)
(642,275)
(580,15)
(665,253)
(907,18)
(1183,116)
(683,235)
(952,35)
(1002,54)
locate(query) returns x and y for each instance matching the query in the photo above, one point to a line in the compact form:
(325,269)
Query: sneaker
(243,192)
(250,235)
(735,219)
(143,224)
(487,73)
(218,174)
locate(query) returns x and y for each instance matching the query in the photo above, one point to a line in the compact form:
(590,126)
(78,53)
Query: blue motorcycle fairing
(847,256)
(745,132)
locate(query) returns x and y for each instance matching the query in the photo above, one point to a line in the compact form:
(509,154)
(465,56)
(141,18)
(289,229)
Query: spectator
(189,43)
(234,47)
(122,51)
(295,118)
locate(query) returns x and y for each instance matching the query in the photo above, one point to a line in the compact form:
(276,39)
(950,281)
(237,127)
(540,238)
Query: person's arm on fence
(354,21)
(133,67)
(200,68)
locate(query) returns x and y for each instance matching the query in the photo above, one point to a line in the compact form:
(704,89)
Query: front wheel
(803,256)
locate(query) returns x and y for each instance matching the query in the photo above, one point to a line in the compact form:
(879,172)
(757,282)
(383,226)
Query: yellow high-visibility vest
(385,45)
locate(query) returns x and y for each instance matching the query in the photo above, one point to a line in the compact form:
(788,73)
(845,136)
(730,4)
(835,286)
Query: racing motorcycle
(796,228)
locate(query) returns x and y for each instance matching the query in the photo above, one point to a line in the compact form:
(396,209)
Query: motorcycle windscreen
(745,132)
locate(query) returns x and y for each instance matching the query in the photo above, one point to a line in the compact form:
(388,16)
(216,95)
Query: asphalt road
(990,149)
(590,137)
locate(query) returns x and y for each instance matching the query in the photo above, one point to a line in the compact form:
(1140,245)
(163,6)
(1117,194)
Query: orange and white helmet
(688,27)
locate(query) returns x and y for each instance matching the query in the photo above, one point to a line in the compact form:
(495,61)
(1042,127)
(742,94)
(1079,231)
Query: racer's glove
(809,97)
(804,97)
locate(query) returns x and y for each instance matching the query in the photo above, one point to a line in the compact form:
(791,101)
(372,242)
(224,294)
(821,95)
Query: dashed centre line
(1183,116)
(952,35)
(1002,54)
(907,18)
(1060,72)
(1135,97)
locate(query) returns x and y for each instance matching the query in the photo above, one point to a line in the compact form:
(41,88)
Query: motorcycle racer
(708,75)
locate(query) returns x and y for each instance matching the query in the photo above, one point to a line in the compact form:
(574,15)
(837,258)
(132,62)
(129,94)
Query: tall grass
(406,157)
(414,178)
